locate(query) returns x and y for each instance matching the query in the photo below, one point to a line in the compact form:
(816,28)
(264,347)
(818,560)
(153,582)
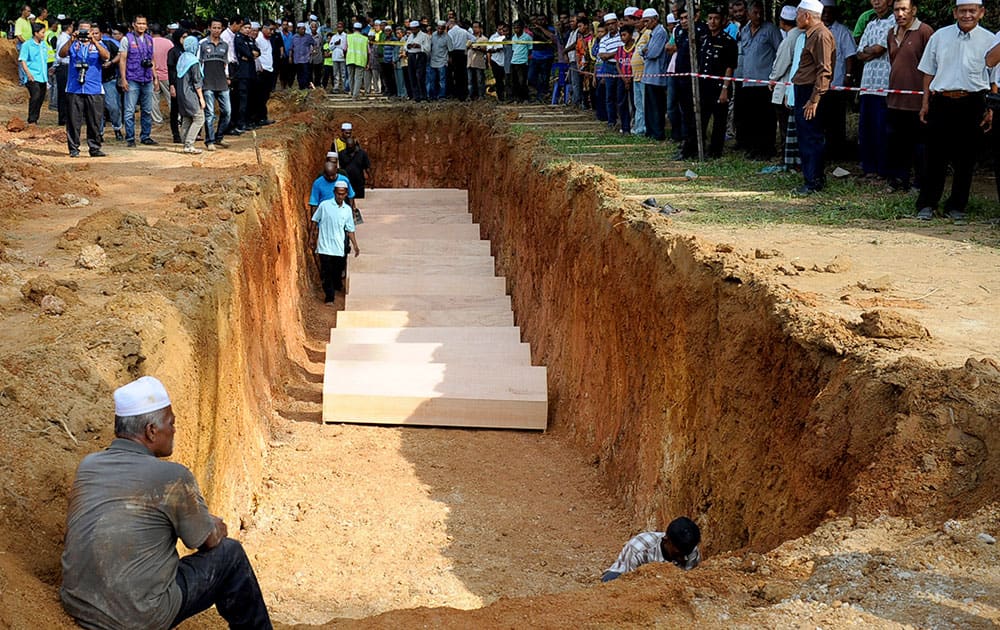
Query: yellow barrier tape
(506,42)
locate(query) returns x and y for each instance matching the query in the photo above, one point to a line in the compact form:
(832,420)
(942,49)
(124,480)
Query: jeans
(616,101)
(873,134)
(141,93)
(562,87)
(576,80)
(222,576)
(539,73)
(112,105)
(812,141)
(477,83)
(36,96)
(417,69)
(436,82)
(213,132)
(22,78)
(639,100)
(402,80)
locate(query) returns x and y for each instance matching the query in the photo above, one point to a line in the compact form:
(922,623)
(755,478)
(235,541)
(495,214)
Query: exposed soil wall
(696,383)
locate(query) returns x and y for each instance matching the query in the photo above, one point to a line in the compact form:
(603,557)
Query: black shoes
(119,136)
(130,143)
(74,154)
(98,153)
(149,142)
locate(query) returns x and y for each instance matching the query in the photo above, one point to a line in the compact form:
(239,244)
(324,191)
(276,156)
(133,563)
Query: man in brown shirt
(906,44)
(811,82)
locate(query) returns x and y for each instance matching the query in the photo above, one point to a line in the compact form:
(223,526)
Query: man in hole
(127,509)
(679,545)
(332,219)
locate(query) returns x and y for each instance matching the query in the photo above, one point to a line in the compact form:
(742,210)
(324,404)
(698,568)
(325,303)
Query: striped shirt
(648,547)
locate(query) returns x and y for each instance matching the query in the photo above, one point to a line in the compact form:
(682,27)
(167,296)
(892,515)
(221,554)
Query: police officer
(84,89)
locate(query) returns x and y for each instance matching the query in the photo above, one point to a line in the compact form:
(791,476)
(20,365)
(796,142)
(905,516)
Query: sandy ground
(357,521)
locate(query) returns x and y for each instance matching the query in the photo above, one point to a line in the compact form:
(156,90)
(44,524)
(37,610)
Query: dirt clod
(92,257)
(16,124)
(51,305)
(885,324)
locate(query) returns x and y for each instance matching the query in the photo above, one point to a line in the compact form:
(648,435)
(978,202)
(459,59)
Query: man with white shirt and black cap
(954,107)
(127,509)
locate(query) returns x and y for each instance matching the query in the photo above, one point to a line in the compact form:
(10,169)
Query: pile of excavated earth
(823,402)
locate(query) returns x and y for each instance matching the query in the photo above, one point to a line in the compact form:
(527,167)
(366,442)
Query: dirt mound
(8,64)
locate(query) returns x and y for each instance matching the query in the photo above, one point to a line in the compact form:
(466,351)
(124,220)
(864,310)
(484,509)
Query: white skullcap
(174,25)
(414,24)
(347,126)
(61,16)
(331,154)
(788,13)
(814,6)
(629,11)
(441,23)
(610,16)
(652,13)
(255,25)
(378,22)
(959,3)
(142,395)
(300,25)
(340,184)
(671,19)
(357,25)
(313,17)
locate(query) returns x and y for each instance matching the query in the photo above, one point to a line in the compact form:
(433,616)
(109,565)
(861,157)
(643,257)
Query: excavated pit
(692,383)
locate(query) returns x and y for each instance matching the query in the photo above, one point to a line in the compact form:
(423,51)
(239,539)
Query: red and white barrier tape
(756,81)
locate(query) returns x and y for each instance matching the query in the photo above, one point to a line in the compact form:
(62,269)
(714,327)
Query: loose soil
(844,469)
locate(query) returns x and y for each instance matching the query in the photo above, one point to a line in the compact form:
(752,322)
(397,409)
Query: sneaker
(74,154)
(210,147)
(98,153)
(192,150)
(149,142)
(925,214)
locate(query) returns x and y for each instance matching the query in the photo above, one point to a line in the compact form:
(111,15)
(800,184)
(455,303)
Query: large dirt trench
(681,377)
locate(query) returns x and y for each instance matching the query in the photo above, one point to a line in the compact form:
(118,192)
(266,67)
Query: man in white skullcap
(656,58)
(332,219)
(810,82)
(126,511)
(418,47)
(953,108)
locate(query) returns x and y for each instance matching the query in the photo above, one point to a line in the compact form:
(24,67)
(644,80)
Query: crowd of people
(778,89)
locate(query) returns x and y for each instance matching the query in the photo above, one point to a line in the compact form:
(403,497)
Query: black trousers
(655,103)
(519,82)
(906,148)
(331,271)
(241,111)
(222,576)
(62,75)
(458,86)
(685,103)
(499,75)
(388,72)
(36,96)
(286,71)
(87,108)
(755,121)
(715,114)
(417,69)
(175,118)
(953,136)
(835,103)
(996,153)
(261,94)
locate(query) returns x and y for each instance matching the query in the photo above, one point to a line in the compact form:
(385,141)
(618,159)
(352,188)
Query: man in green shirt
(22,34)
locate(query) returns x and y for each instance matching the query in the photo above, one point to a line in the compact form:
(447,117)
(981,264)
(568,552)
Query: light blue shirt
(656,58)
(519,52)
(846,48)
(36,55)
(333,220)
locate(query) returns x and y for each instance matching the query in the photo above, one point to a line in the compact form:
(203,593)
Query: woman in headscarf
(190,99)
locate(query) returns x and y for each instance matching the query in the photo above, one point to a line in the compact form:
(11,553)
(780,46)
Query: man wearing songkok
(127,509)
(811,81)
(954,108)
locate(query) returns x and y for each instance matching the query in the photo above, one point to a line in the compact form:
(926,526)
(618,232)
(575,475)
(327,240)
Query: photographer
(137,78)
(84,90)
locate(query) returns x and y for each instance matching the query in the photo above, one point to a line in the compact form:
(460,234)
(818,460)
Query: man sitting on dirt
(679,544)
(126,512)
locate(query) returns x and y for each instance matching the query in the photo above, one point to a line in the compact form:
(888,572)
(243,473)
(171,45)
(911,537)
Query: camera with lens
(83,35)
(81,69)
(147,63)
